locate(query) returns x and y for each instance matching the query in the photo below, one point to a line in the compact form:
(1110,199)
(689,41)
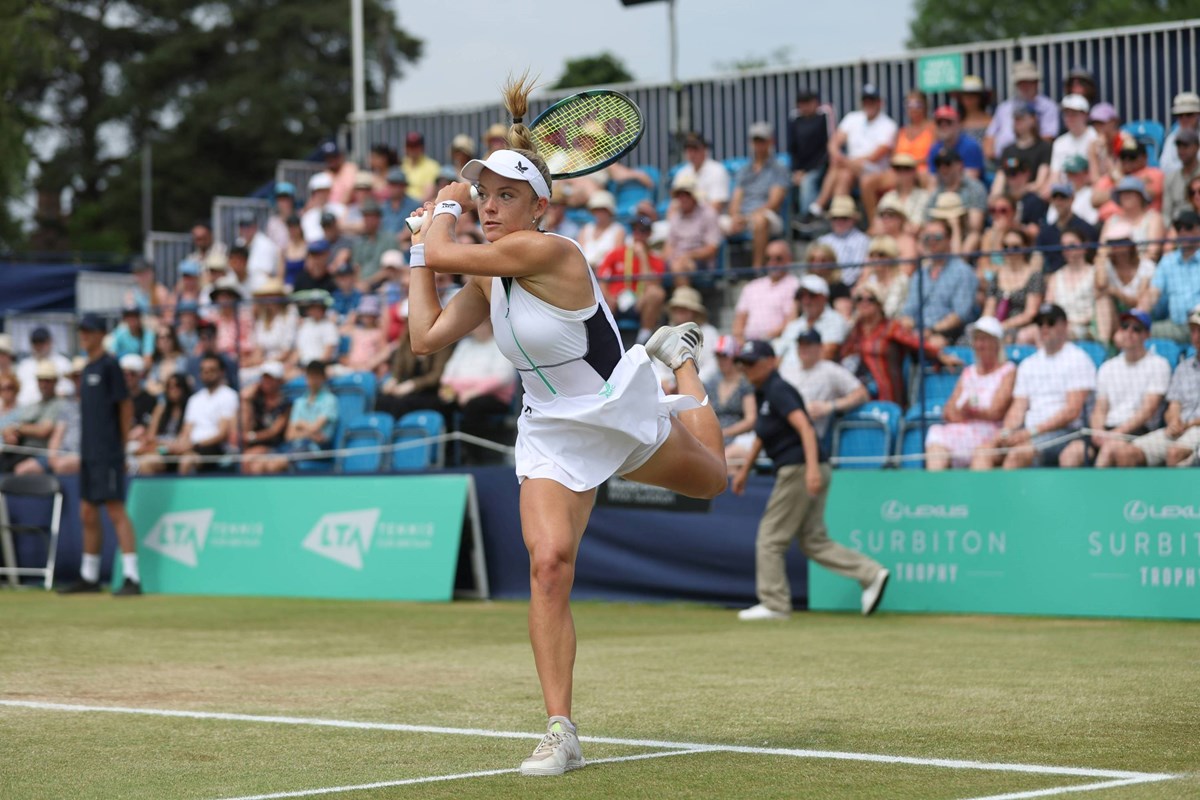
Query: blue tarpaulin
(47,286)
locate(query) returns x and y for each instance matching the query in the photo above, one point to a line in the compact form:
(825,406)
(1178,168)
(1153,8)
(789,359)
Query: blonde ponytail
(516,99)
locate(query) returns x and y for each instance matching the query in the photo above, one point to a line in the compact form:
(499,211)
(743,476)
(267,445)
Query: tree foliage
(937,23)
(219,90)
(593,71)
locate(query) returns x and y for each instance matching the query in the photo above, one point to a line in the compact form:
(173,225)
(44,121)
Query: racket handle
(414,223)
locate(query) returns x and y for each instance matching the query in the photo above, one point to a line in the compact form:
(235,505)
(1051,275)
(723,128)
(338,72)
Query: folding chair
(46,486)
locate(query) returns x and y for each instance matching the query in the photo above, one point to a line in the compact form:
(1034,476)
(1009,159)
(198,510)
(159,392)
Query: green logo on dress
(606,390)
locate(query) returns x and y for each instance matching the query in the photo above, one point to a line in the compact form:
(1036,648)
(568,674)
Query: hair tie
(517,120)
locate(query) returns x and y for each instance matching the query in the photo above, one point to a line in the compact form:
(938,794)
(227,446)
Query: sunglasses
(1194,192)
(933,237)
(1129,156)
(1047,323)
(945,123)
(863,298)
(1011,247)
(1132,326)
(1002,211)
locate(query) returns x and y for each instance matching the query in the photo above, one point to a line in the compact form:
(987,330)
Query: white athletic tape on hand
(414,223)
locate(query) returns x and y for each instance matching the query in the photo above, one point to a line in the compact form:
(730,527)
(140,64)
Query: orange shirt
(918,146)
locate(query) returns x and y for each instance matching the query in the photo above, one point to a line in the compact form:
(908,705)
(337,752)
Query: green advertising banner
(375,537)
(1105,543)
(940,73)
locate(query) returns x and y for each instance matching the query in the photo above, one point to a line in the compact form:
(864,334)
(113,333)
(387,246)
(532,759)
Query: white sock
(89,568)
(129,564)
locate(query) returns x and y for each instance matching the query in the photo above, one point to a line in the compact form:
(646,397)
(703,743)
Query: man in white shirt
(827,387)
(319,187)
(1076,140)
(41,347)
(862,146)
(1052,387)
(712,180)
(208,419)
(262,262)
(317,338)
(1129,394)
(812,300)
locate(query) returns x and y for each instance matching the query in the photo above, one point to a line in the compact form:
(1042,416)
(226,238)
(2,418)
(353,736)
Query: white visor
(510,164)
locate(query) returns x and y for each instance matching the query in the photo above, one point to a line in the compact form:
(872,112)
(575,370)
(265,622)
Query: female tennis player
(590,410)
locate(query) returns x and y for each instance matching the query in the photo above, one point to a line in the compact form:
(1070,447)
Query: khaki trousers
(791,512)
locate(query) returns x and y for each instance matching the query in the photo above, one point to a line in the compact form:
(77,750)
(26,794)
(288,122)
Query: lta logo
(180,536)
(343,537)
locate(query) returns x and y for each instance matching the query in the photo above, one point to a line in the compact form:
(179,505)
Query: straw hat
(271,287)
(689,298)
(948,206)
(884,245)
(892,203)
(842,207)
(46,370)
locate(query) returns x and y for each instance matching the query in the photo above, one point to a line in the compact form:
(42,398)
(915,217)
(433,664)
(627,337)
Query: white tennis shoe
(558,751)
(761,612)
(674,345)
(872,596)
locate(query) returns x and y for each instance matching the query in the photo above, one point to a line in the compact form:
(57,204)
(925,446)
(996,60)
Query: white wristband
(416,256)
(448,207)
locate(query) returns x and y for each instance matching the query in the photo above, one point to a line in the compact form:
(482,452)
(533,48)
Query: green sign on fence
(1112,543)
(940,73)
(381,538)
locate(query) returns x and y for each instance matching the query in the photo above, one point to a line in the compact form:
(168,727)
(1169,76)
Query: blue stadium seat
(294,389)
(912,433)
(1190,352)
(580,216)
(355,384)
(1150,132)
(867,433)
(1170,350)
(732,166)
(1019,352)
(938,388)
(416,425)
(309,465)
(1096,351)
(630,193)
(370,434)
(964,353)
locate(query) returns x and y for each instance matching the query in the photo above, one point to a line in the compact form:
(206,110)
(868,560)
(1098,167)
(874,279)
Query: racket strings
(580,135)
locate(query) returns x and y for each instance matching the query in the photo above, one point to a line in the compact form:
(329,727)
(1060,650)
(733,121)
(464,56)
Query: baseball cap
(1102,112)
(810,336)
(753,351)
(1024,110)
(189,266)
(804,94)
(814,284)
(40,334)
(641,222)
(318,247)
(694,140)
(1187,219)
(946,156)
(246,218)
(463,144)
(1017,164)
(344,269)
(1049,312)
(328,218)
(761,130)
(726,345)
(1075,164)
(88,322)
(1132,184)
(509,164)
(391,258)
(1185,136)
(989,325)
(1142,317)
(283,188)
(870,91)
(946,112)
(369,305)
(319,181)
(1063,189)
(414,138)
(132,362)
(274,369)
(1131,144)
(396,175)
(1076,102)
(329,148)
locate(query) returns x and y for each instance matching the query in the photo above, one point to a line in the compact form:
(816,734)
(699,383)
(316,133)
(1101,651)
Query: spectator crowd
(968,238)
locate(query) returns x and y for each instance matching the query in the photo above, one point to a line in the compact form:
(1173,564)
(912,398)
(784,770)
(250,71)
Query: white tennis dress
(590,410)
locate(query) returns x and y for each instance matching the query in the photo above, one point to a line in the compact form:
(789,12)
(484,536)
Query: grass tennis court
(684,700)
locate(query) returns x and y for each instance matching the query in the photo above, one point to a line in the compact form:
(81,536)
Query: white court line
(1081,787)
(437,778)
(1116,775)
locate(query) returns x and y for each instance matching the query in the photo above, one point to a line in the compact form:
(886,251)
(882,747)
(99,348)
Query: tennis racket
(582,134)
